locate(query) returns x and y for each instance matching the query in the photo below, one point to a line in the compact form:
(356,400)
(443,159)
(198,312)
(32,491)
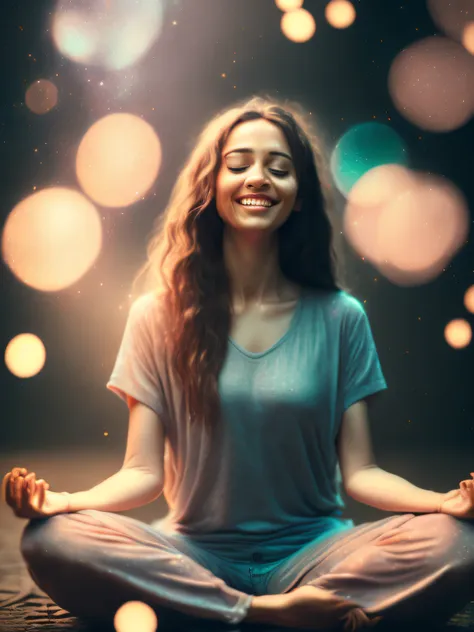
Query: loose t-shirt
(268,478)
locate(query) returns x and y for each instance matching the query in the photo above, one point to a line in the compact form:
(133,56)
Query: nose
(257,180)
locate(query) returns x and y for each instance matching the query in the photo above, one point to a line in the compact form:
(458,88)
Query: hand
(459,502)
(30,498)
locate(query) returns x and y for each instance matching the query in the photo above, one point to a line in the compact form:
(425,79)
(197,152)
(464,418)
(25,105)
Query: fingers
(19,487)
(467,488)
(42,492)
(13,484)
(29,488)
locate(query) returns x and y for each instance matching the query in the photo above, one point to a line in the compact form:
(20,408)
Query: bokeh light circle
(41,96)
(458,333)
(52,238)
(298,26)
(340,14)
(451,16)
(135,616)
(424,227)
(363,148)
(25,355)
(366,203)
(118,160)
(289,5)
(408,225)
(114,35)
(469,299)
(431,84)
(468,38)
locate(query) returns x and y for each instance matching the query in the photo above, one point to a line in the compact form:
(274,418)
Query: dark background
(423,426)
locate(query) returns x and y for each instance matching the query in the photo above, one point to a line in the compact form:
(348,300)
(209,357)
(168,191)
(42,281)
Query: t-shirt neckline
(291,327)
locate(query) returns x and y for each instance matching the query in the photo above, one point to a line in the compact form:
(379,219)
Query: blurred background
(101,103)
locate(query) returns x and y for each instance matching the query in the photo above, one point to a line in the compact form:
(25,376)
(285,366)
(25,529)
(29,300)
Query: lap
(426,538)
(89,532)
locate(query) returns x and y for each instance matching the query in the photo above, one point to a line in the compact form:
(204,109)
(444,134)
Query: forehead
(259,135)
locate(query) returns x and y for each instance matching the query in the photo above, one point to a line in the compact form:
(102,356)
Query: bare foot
(309,608)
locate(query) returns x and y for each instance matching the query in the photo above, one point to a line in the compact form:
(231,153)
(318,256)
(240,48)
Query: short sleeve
(135,372)
(361,371)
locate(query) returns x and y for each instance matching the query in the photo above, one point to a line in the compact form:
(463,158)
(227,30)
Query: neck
(253,267)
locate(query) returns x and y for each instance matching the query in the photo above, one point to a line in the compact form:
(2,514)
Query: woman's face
(257,170)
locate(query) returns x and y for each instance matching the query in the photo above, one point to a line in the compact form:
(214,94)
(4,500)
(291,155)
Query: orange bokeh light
(340,13)
(289,5)
(458,333)
(425,226)
(25,355)
(298,26)
(469,299)
(468,37)
(135,616)
(118,160)
(407,224)
(41,96)
(365,205)
(52,238)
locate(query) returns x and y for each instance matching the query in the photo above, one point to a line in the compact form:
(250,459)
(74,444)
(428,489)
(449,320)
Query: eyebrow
(246,150)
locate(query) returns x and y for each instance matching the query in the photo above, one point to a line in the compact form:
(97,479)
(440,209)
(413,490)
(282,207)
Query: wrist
(440,502)
(68,502)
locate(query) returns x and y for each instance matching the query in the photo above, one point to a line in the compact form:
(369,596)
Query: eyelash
(277,172)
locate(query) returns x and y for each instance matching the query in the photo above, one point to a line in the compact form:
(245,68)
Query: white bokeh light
(113,35)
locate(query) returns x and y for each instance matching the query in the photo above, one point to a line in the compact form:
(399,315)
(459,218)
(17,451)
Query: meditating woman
(247,369)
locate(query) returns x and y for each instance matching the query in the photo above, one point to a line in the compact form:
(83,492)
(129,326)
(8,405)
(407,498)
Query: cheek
(225,188)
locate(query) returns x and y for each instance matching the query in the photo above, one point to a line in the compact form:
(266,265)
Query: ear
(297,205)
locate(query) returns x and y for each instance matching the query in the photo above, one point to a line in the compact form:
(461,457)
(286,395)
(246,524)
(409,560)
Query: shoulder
(147,309)
(145,302)
(339,303)
(351,306)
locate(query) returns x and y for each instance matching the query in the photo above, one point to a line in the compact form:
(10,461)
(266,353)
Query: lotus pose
(248,369)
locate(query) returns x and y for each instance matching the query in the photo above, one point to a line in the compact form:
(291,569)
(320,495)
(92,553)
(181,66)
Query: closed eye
(277,172)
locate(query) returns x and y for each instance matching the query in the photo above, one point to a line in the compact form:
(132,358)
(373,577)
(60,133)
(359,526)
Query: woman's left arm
(369,484)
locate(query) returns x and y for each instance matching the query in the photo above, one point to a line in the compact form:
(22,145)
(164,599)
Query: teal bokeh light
(362,148)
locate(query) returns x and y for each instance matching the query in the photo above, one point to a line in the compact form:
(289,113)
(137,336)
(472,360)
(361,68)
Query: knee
(451,540)
(40,537)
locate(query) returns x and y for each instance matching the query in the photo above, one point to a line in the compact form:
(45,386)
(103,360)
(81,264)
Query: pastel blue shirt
(269,479)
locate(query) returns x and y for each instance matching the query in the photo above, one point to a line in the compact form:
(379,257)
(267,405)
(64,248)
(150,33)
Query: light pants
(404,567)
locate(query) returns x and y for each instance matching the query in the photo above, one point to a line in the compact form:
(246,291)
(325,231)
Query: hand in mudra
(31,498)
(460,502)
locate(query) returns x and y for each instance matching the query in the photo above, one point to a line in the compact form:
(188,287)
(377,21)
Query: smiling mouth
(256,206)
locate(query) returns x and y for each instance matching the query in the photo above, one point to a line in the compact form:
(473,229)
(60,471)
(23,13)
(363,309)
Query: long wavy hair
(185,260)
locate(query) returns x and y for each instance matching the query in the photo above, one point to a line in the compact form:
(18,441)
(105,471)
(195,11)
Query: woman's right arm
(140,480)
(126,489)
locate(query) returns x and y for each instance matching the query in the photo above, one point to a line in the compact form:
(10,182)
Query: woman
(247,369)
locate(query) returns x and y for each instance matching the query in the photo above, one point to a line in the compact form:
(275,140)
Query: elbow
(153,482)
(156,484)
(158,489)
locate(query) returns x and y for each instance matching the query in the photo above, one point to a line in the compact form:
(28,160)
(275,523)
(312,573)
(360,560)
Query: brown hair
(185,254)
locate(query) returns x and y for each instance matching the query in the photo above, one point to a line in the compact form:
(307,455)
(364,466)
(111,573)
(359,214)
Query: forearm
(386,491)
(124,490)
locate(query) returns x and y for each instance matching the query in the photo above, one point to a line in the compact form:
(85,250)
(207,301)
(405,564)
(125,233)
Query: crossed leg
(412,568)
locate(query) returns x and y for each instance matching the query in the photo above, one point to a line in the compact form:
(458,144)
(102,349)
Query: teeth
(247,202)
